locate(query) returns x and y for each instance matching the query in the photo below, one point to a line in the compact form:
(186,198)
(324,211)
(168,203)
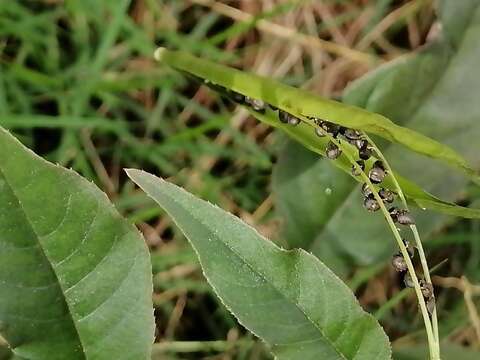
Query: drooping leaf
(421,91)
(288,298)
(259,87)
(304,104)
(75,278)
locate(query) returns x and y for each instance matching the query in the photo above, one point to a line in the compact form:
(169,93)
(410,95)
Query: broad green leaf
(75,277)
(304,104)
(415,91)
(288,298)
(303,132)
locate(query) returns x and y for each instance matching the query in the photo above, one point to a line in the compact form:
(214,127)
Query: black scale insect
(398,261)
(377,173)
(332,151)
(256,104)
(361,167)
(236,97)
(370,203)
(287,118)
(401,216)
(364,152)
(387,195)
(425,288)
(260,106)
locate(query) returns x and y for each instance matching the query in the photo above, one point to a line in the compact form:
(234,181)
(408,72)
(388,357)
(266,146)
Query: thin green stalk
(434,355)
(416,235)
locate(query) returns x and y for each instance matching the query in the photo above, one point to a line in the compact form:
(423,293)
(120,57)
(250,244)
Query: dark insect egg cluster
(400,265)
(376,175)
(428,295)
(261,106)
(377,172)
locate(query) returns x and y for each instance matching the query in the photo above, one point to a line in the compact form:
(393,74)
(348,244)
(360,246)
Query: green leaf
(304,104)
(288,298)
(303,133)
(422,92)
(75,276)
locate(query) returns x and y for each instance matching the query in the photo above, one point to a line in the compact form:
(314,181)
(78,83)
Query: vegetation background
(78,85)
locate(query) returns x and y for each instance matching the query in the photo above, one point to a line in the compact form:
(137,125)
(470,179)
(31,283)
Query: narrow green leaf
(75,278)
(288,298)
(304,104)
(303,132)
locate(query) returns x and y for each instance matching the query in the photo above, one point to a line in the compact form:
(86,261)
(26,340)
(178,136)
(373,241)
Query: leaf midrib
(40,246)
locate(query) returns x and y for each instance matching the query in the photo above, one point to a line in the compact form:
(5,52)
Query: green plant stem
(423,307)
(416,235)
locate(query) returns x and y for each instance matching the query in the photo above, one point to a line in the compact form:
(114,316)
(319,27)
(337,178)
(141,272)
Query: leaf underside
(287,298)
(75,276)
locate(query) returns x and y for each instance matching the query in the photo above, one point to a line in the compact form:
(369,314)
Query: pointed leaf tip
(249,274)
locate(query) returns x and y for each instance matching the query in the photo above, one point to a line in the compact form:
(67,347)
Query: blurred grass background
(78,85)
